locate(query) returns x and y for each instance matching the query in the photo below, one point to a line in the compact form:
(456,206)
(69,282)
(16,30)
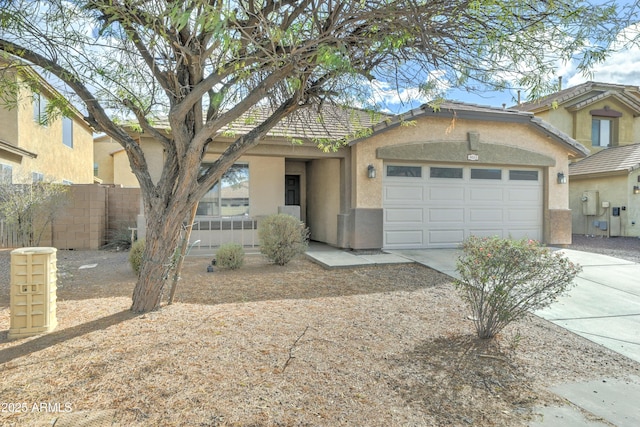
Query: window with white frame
(601,131)
(37,177)
(6,174)
(229,196)
(40,109)
(67,132)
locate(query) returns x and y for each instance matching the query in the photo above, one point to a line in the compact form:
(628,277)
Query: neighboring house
(598,115)
(425,179)
(33,148)
(605,192)
(604,117)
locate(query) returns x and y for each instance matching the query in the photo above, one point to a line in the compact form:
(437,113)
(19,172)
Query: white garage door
(438,206)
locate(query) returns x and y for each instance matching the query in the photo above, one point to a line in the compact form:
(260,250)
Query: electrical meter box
(32,295)
(590,202)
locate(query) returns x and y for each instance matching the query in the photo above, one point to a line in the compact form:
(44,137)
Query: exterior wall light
(562,179)
(636,189)
(371,171)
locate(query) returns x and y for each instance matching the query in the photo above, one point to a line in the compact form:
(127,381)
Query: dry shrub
(282,238)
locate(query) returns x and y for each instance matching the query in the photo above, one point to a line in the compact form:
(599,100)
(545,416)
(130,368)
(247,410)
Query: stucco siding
(623,133)
(9,125)
(55,160)
(323,199)
(9,118)
(617,191)
(367,193)
(121,170)
(103,149)
(266,184)
(632,221)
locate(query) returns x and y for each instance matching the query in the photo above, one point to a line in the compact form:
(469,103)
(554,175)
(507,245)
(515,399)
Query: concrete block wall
(83,223)
(123,207)
(93,214)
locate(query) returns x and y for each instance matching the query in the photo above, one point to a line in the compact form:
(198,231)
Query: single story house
(605,192)
(427,178)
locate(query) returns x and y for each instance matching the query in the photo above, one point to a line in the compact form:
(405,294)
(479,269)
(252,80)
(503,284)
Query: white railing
(215,231)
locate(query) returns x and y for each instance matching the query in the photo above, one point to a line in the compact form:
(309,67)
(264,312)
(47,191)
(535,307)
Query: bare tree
(205,63)
(31,208)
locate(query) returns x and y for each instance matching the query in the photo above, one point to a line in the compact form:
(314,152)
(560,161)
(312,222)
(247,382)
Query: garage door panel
(439,212)
(486,232)
(486,194)
(404,193)
(446,215)
(448,237)
(446,194)
(404,216)
(486,215)
(404,237)
(523,195)
(523,215)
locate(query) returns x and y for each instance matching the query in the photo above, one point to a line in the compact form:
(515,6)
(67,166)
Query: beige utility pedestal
(33,292)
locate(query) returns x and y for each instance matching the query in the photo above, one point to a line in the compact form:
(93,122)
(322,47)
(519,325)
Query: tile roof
(613,159)
(313,123)
(594,91)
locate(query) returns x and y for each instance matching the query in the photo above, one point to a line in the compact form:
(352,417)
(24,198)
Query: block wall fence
(94,216)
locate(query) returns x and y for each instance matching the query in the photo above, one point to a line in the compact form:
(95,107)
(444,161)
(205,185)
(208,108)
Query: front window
(6,174)
(67,132)
(40,109)
(37,177)
(229,196)
(601,130)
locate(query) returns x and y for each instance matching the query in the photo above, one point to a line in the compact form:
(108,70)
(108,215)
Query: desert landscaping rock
(293,345)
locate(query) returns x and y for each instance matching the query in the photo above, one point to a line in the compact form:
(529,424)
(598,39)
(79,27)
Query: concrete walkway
(603,307)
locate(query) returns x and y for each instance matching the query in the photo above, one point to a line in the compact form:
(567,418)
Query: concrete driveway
(604,307)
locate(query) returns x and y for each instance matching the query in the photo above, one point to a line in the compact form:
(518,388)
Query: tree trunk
(183,253)
(163,230)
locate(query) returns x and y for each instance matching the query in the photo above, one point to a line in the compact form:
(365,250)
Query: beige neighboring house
(604,198)
(32,149)
(424,179)
(605,192)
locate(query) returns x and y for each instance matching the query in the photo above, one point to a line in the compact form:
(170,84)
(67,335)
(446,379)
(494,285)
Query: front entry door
(292,190)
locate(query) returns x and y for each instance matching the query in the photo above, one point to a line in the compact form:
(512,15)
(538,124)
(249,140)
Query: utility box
(33,292)
(590,203)
(616,228)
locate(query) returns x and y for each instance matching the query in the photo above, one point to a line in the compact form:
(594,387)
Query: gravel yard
(295,345)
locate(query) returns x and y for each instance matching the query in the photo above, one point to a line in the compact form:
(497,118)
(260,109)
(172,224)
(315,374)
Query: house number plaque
(472,157)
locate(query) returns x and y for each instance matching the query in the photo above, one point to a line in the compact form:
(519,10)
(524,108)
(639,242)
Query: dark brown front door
(292,190)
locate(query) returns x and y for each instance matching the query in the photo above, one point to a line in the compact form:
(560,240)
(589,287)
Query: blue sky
(621,67)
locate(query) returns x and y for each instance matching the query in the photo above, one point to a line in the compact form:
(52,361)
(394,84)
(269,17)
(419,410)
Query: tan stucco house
(35,149)
(605,192)
(604,199)
(424,179)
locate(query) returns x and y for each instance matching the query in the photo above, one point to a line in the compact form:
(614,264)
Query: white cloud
(620,67)
(395,100)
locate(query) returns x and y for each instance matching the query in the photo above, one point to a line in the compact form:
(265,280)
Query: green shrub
(282,238)
(502,280)
(135,255)
(230,255)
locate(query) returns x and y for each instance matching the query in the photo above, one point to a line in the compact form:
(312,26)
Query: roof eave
(5,146)
(589,175)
